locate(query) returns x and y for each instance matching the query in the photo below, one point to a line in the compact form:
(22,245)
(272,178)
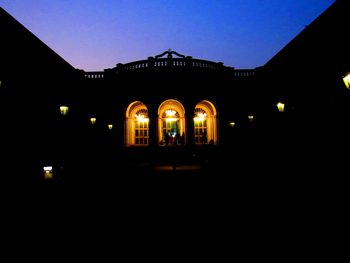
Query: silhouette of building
(167,99)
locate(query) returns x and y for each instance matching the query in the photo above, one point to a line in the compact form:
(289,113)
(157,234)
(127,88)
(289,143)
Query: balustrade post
(189,61)
(151,62)
(153,126)
(190,124)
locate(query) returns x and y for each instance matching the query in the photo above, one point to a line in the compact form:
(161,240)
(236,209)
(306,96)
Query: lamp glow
(232,124)
(93,121)
(48,174)
(110,126)
(346,80)
(64,110)
(251,118)
(280,106)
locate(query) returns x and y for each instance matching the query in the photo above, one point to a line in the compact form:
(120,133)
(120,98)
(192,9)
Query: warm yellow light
(141,118)
(251,118)
(64,110)
(48,174)
(232,124)
(346,80)
(110,126)
(170,119)
(280,107)
(93,121)
(200,116)
(170,113)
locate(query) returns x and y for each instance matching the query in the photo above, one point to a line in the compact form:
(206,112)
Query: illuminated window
(205,123)
(200,126)
(171,123)
(141,127)
(137,124)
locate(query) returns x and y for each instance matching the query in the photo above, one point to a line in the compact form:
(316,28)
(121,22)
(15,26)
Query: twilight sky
(98,34)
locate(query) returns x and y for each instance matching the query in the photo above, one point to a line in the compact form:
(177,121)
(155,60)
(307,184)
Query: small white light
(64,110)
(93,121)
(280,106)
(47,168)
(48,174)
(110,126)
(232,124)
(251,118)
(346,80)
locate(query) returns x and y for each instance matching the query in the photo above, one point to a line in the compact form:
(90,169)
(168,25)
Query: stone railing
(241,73)
(159,63)
(94,75)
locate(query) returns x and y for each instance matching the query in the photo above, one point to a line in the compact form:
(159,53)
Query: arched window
(205,123)
(171,123)
(200,126)
(136,124)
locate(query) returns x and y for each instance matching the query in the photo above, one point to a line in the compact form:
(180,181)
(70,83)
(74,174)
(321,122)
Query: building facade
(54,113)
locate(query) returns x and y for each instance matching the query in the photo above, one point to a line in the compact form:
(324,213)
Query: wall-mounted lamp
(64,110)
(232,124)
(93,120)
(251,118)
(346,80)
(280,106)
(48,174)
(110,126)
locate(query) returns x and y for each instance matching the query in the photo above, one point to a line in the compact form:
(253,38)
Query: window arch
(171,123)
(205,123)
(136,124)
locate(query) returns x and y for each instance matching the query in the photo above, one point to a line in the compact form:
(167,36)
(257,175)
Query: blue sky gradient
(98,34)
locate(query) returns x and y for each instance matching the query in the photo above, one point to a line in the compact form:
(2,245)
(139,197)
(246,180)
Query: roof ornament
(170,54)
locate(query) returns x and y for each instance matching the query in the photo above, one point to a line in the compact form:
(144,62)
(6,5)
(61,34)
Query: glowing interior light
(170,113)
(200,116)
(251,117)
(232,124)
(110,126)
(346,80)
(170,119)
(48,172)
(93,120)
(64,110)
(141,118)
(280,107)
